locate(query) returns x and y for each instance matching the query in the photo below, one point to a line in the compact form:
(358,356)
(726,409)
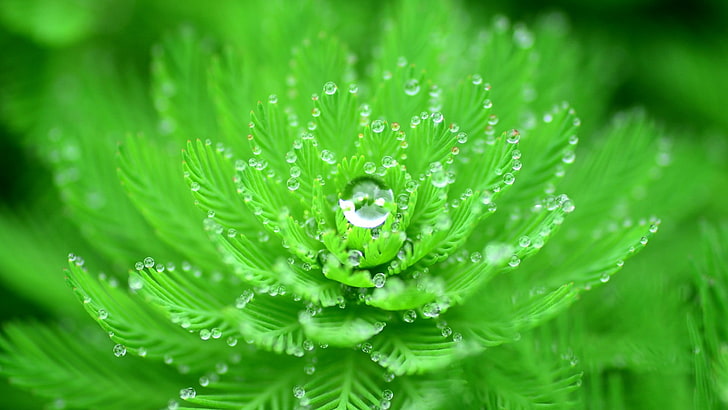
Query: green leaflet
(136,326)
(416,348)
(271,388)
(155,185)
(344,381)
(38,357)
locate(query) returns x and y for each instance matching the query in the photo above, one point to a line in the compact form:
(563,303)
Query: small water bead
(330,88)
(139,266)
(188,393)
(568,206)
(654,228)
(476,257)
(446,332)
(272,99)
(457,337)
(388,162)
(365,110)
(411,186)
(353,88)
(620,263)
(354,257)
(568,157)
(462,137)
(514,261)
(415,121)
(244,299)
(378,126)
(517,165)
(205,334)
(135,283)
(409,316)
(403,201)
(370,168)
(513,137)
(437,117)
(216,333)
(605,278)
(431,310)
(231,341)
(119,350)
(412,87)
(524,241)
(149,262)
(487,104)
(644,240)
(328,157)
(194,186)
(298,392)
(379,280)
(477,79)
(102,314)
(509,178)
(363,203)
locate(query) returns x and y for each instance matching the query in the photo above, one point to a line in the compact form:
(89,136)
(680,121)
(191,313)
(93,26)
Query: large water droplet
(363,203)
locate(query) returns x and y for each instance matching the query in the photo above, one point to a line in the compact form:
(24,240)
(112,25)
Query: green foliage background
(654,336)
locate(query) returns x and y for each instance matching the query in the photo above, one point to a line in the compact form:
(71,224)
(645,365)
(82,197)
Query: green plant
(394,240)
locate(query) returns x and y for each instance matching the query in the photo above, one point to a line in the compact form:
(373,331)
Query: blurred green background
(670,57)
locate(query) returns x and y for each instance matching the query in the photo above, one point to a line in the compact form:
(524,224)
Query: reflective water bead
(370,168)
(644,240)
(568,206)
(487,104)
(412,87)
(477,79)
(568,157)
(437,117)
(328,157)
(205,334)
(476,257)
(513,137)
(354,257)
(462,137)
(363,203)
(508,178)
(139,266)
(415,121)
(272,99)
(379,280)
(524,241)
(378,126)
(149,262)
(330,88)
(188,393)
(431,310)
(388,161)
(102,314)
(409,316)
(353,88)
(298,392)
(514,261)
(119,350)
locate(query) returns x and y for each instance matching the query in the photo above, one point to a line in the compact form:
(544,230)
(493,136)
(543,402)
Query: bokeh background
(668,56)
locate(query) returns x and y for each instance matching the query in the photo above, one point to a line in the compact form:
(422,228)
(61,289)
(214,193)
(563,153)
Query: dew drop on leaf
(363,203)
(330,88)
(412,87)
(188,393)
(119,350)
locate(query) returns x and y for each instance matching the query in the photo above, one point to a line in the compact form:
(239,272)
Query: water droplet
(119,350)
(135,283)
(477,79)
(103,314)
(309,369)
(149,262)
(188,393)
(370,168)
(487,104)
(379,279)
(514,261)
(412,87)
(205,334)
(509,178)
(354,257)
(457,337)
(378,126)
(605,278)
(513,137)
(431,310)
(363,203)
(244,299)
(524,241)
(328,157)
(353,88)
(437,117)
(644,240)
(415,121)
(299,392)
(568,206)
(139,266)
(462,137)
(476,257)
(388,161)
(409,316)
(568,157)
(330,88)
